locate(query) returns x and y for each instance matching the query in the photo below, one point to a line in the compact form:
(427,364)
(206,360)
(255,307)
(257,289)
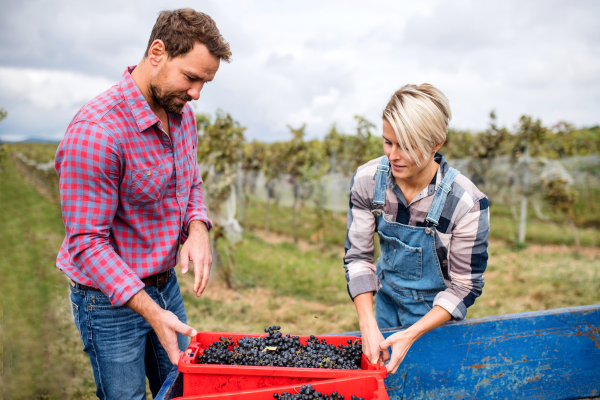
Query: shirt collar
(143,114)
(441,173)
(430,189)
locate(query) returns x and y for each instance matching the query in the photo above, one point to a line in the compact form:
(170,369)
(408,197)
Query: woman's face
(402,164)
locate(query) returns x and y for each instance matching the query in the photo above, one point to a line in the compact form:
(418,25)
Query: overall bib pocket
(401,258)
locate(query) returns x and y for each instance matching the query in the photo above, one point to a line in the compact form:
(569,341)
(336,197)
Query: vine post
(219,146)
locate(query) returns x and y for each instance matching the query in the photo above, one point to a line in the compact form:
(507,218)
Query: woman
(432,224)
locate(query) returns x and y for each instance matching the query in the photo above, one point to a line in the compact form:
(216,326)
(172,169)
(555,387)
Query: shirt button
(149,173)
(178,194)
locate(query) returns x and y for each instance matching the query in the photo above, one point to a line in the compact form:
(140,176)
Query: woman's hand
(371,338)
(401,341)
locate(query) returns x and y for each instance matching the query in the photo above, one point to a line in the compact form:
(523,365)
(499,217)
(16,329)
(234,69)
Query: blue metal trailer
(553,354)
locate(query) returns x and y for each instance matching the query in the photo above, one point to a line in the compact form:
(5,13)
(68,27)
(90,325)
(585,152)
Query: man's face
(180,79)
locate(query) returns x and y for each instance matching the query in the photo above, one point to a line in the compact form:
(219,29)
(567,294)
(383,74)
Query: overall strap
(440,196)
(381,181)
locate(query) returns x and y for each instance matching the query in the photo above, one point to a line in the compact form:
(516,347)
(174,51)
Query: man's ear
(156,52)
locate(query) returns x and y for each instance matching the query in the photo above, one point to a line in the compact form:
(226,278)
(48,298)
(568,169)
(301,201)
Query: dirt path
(586,251)
(303,245)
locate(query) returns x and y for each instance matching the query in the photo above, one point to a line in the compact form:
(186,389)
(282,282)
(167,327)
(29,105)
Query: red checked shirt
(128,191)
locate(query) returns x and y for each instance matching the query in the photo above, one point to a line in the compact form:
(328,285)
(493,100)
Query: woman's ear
(439,146)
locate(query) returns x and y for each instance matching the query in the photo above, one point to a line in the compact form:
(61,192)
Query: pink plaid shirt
(128,191)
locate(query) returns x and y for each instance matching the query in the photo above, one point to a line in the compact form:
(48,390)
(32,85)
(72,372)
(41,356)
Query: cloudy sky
(314,62)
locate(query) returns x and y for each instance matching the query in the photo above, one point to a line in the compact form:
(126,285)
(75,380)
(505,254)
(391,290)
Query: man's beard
(168,101)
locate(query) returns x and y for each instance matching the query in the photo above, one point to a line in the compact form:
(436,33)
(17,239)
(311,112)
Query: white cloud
(13,138)
(41,103)
(318,62)
(51,90)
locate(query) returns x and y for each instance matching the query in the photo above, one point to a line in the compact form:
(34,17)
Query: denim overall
(408,267)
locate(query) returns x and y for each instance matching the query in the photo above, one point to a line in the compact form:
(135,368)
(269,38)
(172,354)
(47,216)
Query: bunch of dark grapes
(277,350)
(308,393)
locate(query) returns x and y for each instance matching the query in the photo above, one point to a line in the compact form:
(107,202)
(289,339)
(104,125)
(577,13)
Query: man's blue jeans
(122,347)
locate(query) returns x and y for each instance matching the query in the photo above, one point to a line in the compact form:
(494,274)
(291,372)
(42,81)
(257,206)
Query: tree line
(232,163)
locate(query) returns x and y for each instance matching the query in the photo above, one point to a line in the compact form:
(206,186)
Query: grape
(307,392)
(278,350)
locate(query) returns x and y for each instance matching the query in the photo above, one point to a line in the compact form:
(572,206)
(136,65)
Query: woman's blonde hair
(419,116)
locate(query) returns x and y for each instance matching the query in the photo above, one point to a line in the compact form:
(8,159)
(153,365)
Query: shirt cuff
(124,291)
(363,284)
(185,230)
(452,304)
(207,222)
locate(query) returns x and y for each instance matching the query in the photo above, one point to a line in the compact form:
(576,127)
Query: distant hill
(32,140)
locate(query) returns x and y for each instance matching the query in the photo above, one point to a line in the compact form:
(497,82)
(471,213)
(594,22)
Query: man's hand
(197,249)
(166,325)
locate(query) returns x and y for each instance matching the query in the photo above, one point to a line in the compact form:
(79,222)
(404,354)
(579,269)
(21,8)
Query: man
(130,195)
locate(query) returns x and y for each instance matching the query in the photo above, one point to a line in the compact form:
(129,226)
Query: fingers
(173,355)
(385,353)
(205,276)
(197,276)
(166,327)
(395,358)
(185,329)
(373,357)
(371,352)
(172,349)
(383,346)
(395,361)
(184,260)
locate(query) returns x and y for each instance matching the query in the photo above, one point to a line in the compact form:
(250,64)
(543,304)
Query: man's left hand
(197,249)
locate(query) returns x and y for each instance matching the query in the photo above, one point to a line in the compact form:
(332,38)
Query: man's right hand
(166,325)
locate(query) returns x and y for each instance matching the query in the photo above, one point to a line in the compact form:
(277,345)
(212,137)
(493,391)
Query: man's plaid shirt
(128,191)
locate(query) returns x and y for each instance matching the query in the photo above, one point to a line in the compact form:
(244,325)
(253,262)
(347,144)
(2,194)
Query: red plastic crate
(368,387)
(211,378)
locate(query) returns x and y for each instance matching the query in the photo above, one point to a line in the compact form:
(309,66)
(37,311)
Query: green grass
(539,232)
(38,152)
(300,287)
(502,226)
(316,276)
(281,221)
(43,356)
(537,278)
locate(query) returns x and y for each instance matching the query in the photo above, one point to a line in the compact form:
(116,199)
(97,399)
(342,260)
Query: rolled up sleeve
(467,261)
(361,273)
(88,165)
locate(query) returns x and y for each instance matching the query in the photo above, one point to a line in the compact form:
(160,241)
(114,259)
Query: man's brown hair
(180,29)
